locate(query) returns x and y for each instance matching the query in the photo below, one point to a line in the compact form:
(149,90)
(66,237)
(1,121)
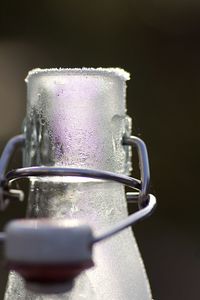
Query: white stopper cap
(45,241)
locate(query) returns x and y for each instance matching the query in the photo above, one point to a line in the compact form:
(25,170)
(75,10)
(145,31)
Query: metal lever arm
(130,220)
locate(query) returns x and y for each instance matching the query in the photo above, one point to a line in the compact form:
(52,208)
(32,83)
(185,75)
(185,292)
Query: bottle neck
(76,121)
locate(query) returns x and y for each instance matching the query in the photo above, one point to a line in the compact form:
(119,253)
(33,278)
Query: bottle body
(78,120)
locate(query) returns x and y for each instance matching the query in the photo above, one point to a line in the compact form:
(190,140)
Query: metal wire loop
(141,186)
(141,196)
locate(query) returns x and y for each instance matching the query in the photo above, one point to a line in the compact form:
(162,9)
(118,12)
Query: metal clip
(6,193)
(142,196)
(146,202)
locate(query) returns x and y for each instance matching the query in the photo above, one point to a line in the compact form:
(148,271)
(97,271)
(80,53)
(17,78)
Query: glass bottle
(77,118)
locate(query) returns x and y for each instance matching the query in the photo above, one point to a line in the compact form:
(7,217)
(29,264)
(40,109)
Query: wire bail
(146,202)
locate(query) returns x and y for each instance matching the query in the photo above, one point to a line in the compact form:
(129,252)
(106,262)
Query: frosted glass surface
(77,118)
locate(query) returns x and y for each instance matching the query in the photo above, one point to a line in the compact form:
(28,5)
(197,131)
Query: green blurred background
(158,42)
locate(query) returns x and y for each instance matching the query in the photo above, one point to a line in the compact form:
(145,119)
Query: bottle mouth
(109,72)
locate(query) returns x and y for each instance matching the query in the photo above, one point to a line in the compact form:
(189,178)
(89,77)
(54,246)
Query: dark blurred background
(158,42)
